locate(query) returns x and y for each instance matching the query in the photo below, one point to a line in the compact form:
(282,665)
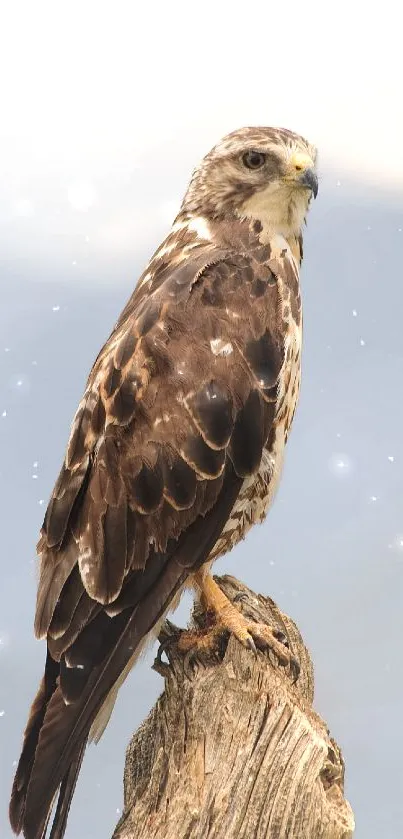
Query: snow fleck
(21,384)
(355,313)
(2,713)
(391,458)
(41,501)
(74,262)
(373,498)
(35,464)
(338,183)
(362,342)
(397,544)
(55,308)
(6,349)
(4,414)
(118,811)
(34,363)
(340,464)
(34,476)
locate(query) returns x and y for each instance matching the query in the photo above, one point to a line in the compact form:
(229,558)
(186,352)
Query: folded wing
(177,409)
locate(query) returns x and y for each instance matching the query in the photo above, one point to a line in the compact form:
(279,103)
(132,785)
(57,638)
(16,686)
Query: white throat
(280,209)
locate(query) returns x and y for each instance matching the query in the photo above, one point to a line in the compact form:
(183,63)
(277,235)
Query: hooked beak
(309,179)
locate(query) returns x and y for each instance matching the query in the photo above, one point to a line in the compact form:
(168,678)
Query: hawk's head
(263,173)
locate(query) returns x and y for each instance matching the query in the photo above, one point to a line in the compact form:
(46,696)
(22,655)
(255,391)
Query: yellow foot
(250,634)
(228,618)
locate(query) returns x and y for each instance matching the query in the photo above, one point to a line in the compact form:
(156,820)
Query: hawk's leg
(229,618)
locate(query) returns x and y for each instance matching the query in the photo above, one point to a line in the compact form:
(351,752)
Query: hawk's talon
(263,637)
(251,644)
(159,665)
(229,620)
(161,650)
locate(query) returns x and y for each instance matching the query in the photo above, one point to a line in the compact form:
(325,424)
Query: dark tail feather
(66,793)
(31,737)
(65,728)
(53,762)
(57,732)
(24,771)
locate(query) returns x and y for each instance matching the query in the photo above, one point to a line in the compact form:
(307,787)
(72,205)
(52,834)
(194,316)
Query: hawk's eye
(253,159)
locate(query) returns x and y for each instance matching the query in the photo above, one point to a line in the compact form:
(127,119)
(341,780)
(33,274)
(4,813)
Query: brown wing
(177,409)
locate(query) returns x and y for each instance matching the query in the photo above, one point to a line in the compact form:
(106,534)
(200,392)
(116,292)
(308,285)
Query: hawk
(175,450)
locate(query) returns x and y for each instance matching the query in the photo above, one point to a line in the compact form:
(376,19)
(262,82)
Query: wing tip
(16,811)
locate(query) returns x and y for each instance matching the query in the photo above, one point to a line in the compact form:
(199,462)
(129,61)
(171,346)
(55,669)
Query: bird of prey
(175,450)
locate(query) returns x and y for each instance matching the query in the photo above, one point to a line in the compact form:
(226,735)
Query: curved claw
(251,644)
(274,640)
(290,660)
(163,647)
(294,664)
(159,665)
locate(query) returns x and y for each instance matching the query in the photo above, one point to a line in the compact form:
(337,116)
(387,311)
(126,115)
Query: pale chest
(258,490)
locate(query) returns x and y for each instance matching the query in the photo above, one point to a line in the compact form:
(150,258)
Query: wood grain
(233,748)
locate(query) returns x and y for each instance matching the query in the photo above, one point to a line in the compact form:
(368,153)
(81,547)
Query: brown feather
(66,793)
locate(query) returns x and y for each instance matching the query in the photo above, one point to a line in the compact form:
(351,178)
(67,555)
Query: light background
(104,110)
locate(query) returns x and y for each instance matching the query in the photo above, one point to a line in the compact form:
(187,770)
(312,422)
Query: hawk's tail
(31,805)
(74,690)
(33,728)
(20,791)
(57,732)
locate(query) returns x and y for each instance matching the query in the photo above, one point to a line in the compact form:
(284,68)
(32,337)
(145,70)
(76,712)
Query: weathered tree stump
(233,747)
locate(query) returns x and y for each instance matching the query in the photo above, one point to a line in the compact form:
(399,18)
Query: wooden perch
(233,749)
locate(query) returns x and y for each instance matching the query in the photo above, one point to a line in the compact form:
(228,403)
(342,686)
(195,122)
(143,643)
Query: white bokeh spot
(340,464)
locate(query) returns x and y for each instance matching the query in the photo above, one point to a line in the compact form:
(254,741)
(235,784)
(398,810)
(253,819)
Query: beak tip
(309,179)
